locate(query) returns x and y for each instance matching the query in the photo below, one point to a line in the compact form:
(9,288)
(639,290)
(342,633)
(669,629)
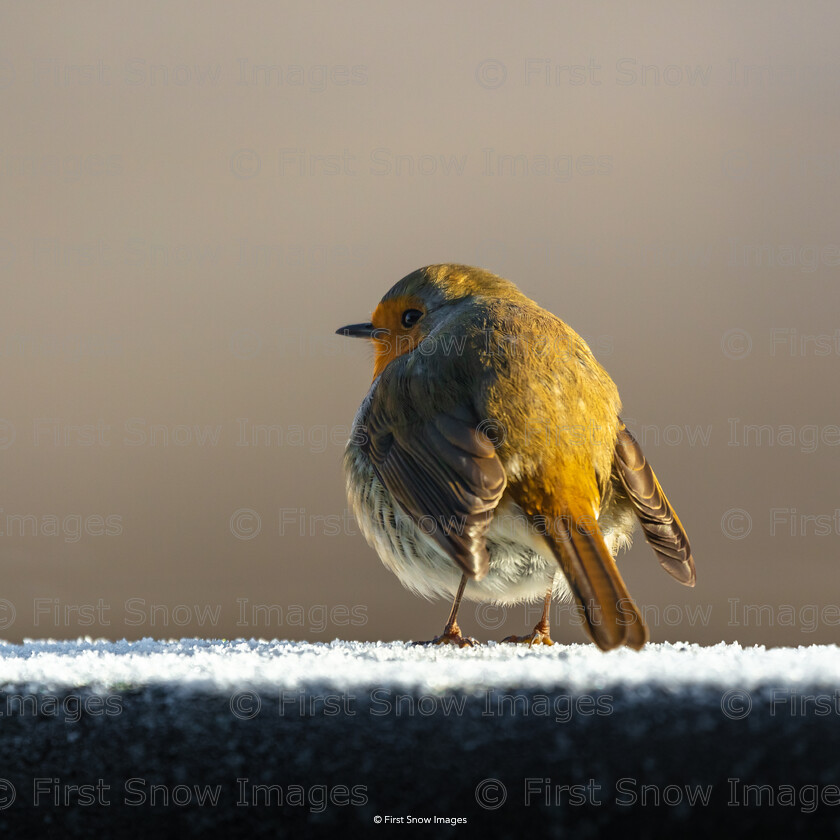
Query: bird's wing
(662,527)
(443,472)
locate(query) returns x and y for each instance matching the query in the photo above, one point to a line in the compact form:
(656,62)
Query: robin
(488,459)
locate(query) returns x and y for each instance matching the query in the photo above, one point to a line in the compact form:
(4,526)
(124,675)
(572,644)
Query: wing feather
(444,473)
(660,523)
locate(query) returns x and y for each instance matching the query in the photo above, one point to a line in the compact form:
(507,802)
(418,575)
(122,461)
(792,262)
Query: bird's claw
(451,639)
(535,638)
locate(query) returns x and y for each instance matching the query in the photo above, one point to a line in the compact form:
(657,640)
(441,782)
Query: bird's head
(413,307)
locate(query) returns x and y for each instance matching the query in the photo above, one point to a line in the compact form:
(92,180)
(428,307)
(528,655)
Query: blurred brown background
(194,197)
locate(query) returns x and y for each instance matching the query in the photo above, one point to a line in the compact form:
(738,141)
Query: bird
(488,460)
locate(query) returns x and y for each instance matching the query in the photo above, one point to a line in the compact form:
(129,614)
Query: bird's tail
(662,527)
(611,617)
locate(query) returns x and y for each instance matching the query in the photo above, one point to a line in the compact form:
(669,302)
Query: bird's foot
(451,636)
(451,639)
(537,637)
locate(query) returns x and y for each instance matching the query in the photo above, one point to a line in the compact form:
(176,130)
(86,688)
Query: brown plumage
(659,520)
(489,454)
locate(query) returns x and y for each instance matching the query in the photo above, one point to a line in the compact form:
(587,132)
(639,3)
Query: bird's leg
(541,634)
(452,632)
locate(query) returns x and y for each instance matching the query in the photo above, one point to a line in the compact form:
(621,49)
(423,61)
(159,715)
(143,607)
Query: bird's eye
(410,317)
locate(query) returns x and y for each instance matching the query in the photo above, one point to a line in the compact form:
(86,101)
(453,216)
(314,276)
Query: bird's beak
(361,331)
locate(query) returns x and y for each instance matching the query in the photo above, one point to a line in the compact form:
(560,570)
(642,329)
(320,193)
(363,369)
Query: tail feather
(611,617)
(660,523)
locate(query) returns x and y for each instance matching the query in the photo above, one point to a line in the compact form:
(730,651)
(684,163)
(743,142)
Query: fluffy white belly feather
(522,566)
